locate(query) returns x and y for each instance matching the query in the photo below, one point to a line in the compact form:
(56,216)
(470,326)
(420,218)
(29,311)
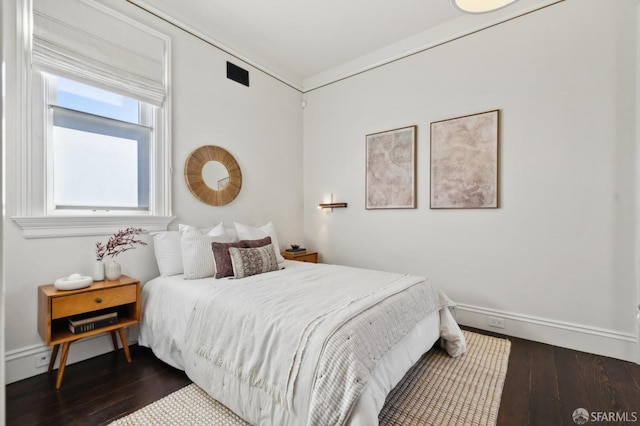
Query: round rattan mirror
(205,174)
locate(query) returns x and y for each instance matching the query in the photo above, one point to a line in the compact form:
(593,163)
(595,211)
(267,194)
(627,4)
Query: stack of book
(296,250)
(88,323)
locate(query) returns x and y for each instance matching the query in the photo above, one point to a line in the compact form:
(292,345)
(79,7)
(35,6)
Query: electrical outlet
(496,322)
(42,360)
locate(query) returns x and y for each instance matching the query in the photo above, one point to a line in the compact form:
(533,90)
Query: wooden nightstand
(303,256)
(56,306)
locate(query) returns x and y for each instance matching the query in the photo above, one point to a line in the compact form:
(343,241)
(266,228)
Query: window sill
(76,226)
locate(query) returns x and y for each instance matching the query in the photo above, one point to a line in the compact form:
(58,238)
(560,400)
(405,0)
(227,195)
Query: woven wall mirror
(213,176)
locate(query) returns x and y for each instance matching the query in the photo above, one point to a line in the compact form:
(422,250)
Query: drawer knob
(98,300)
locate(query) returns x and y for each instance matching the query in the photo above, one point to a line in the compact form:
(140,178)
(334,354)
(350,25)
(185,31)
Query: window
(94,151)
(97,149)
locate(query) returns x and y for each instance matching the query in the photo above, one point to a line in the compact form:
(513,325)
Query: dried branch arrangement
(119,242)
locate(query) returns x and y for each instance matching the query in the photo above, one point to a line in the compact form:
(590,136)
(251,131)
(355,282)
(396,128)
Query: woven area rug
(438,390)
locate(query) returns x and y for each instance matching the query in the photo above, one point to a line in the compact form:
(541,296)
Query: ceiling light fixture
(480,6)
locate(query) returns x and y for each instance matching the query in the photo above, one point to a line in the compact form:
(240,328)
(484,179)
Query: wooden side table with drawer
(55,307)
(302,256)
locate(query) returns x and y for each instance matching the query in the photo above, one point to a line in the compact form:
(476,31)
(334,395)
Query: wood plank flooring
(544,385)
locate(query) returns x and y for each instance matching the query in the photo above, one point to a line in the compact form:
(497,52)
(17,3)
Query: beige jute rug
(438,390)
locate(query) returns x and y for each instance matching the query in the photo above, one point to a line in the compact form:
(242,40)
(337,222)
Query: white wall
(556,260)
(260,125)
(2,298)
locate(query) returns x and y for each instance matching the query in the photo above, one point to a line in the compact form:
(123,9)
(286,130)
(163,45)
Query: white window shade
(88,42)
(96,44)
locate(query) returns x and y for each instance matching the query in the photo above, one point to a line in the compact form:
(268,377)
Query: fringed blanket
(259,331)
(353,350)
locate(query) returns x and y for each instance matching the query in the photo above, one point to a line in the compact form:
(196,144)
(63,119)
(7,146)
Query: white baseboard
(594,340)
(21,363)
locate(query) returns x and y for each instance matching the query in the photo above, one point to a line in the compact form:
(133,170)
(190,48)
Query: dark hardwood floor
(94,392)
(544,385)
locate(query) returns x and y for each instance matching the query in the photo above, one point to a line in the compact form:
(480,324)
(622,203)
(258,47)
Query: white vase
(98,271)
(112,270)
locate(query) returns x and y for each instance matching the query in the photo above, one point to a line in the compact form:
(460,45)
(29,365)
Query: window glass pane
(98,153)
(93,170)
(82,97)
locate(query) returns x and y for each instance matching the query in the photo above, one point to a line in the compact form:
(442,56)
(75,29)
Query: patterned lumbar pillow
(222,259)
(253,261)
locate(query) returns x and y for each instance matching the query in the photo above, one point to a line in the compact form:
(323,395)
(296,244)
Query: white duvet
(169,310)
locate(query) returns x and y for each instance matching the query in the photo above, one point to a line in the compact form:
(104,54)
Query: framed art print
(391,169)
(464,162)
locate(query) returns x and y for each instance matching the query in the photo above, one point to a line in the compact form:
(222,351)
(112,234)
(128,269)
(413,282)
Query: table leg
(63,362)
(114,339)
(125,346)
(52,360)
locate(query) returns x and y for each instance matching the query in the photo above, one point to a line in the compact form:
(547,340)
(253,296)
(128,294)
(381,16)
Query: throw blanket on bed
(353,350)
(258,330)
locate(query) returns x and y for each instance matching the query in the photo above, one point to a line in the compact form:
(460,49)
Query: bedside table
(55,307)
(302,256)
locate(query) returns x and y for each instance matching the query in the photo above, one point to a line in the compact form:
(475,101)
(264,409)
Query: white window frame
(31,213)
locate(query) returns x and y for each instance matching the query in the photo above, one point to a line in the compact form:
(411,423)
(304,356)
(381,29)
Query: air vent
(237,74)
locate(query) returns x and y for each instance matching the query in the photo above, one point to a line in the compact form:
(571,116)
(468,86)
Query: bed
(309,344)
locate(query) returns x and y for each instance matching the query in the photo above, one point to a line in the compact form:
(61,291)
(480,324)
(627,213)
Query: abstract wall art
(464,162)
(391,169)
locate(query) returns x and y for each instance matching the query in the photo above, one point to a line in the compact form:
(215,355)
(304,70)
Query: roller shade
(87,41)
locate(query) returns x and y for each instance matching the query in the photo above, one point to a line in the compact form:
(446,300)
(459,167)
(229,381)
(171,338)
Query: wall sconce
(331,205)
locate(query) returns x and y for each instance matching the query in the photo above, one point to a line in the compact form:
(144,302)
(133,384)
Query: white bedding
(168,303)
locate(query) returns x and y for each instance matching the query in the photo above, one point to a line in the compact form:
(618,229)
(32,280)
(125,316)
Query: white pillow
(168,251)
(233,235)
(197,257)
(246,232)
(166,246)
